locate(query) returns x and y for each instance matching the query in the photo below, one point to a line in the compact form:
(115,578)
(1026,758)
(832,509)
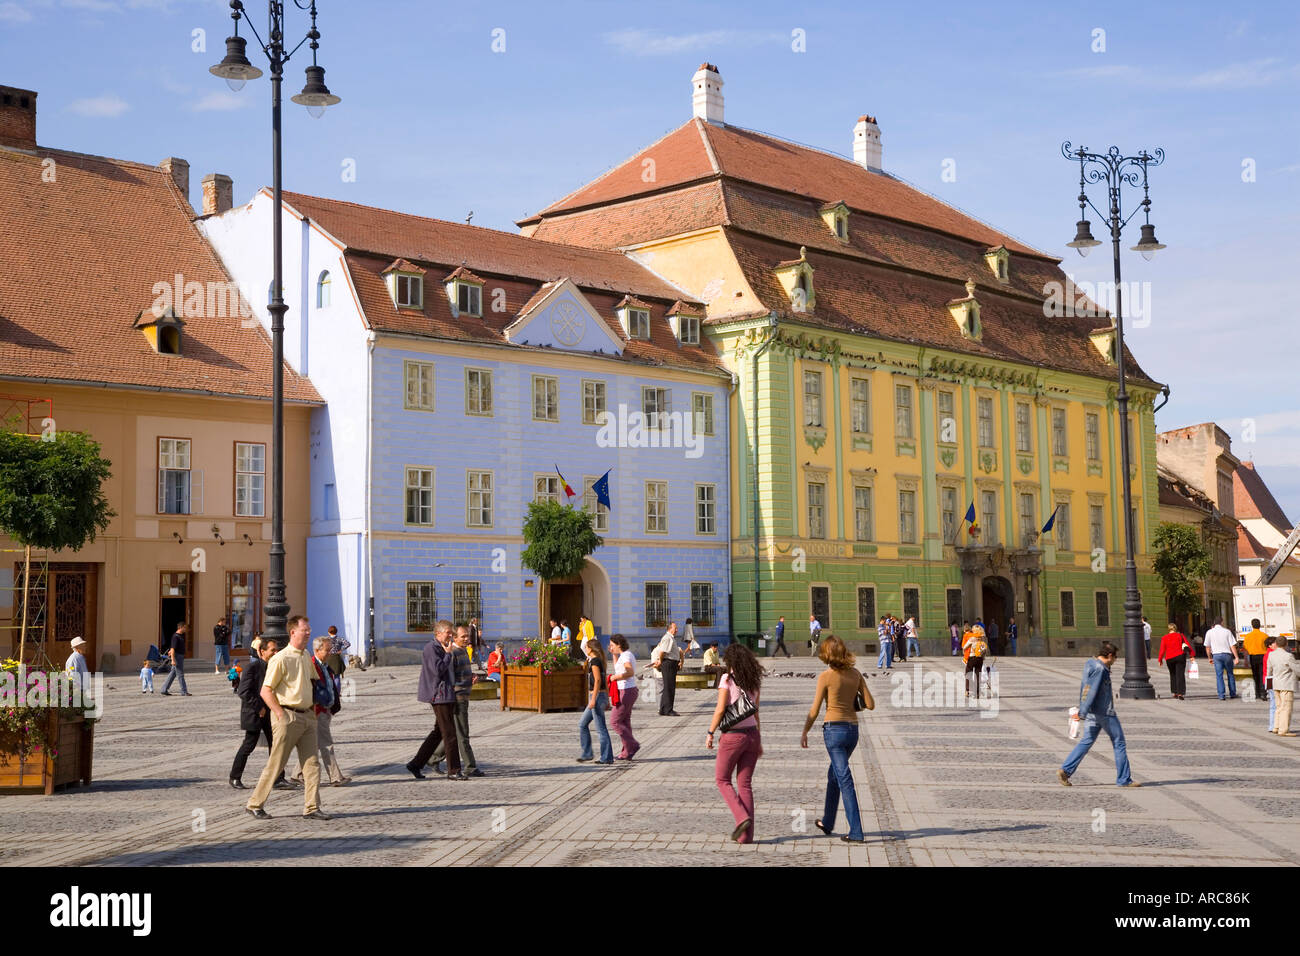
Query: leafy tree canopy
(557,540)
(51,491)
(1182,561)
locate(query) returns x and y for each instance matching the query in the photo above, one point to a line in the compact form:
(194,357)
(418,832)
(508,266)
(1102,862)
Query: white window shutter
(196,492)
(162,491)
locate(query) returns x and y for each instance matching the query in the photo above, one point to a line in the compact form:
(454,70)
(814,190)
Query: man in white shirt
(557,636)
(1146,633)
(814,632)
(1221,645)
(667,657)
(78,672)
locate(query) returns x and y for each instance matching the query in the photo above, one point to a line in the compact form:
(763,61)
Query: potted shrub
(41,747)
(542,677)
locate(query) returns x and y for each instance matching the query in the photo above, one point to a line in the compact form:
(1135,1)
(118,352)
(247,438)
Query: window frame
(485,410)
(862,403)
(1025,447)
(471,491)
(909,432)
(598,387)
(1061,448)
(666,614)
(1097,595)
(552,409)
(407,488)
(460,614)
(414,283)
(1074,611)
(599,513)
(872,618)
(657,419)
(188,471)
(324,289)
(983,422)
(988,529)
(1096,541)
(432,598)
(656,506)
(705,618)
(688,328)
(711,504)
(409,365)
(939,397)
(636,318)
(473,295)
(1061,528)
(1032,527)
(1092,435)
(261,513)
(814,413)
(904,536)
(707,412)
(870,511)
(816,529)
(550,478)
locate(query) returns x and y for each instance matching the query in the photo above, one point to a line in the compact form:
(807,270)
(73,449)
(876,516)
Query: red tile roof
(1252,499)
(1249,548)
(402,265)
(80,258)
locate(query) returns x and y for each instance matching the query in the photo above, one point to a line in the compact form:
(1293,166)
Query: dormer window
(999,262)
(685,321)
(1104,341)
(966,312)
(796,277)
(634,316)
(405,284)
(465,292)
(162,331)
(836,217)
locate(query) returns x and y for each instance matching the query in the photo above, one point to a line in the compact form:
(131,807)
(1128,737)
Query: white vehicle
(1272,604)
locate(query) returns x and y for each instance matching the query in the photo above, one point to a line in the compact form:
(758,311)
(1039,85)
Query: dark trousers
(669,696)
(462,739)
(900,647)
(780,646)
(1257,672)
(444,729)
(178,670)
(975,664)
(1177,675)
(247,747)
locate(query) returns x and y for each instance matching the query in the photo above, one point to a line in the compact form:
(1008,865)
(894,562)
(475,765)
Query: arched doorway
(999,602)
(586,593)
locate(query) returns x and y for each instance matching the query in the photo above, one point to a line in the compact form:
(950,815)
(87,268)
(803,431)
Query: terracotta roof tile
(1252,499)
(463,274)
(402,265)
(81,256)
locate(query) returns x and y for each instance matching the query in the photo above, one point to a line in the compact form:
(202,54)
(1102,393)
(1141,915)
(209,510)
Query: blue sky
(439,124)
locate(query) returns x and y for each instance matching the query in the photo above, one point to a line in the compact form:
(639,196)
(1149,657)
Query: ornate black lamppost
(236,71)
(1117,171)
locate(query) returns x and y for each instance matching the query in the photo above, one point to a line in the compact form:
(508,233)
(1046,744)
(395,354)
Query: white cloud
(13,13)
(99,107)
(1234,76)
(221,101)
(652,43)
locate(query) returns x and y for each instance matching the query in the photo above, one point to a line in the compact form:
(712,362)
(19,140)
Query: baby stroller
(157,662)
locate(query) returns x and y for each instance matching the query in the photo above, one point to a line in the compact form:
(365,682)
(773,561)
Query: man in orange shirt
(973,649)
(1254,641)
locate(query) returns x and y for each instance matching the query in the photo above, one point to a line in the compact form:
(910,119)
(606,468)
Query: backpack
(978,648)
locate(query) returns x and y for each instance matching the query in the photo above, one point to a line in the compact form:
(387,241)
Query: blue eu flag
(1051,521)
(970,512)
(601,488)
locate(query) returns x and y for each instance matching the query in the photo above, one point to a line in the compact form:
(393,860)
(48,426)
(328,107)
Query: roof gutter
(171,390)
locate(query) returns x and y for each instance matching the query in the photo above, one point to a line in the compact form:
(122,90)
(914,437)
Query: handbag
(859,699)
(742,708)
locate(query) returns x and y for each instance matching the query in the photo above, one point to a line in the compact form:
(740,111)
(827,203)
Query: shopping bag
(1073,730)
(1193,670)
(650,688)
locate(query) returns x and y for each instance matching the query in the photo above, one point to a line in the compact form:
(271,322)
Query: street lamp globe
(234,67)
(315,94)
(1148,245)
(1083,240)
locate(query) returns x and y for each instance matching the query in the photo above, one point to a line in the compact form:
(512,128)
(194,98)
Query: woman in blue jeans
(597,704)
(837,686)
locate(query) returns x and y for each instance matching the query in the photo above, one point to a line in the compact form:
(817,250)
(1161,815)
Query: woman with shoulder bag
(844,690)
(597,704)
(737,717)
(1174,651)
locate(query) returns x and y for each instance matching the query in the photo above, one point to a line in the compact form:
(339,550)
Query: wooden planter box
(527,688)
(43,772)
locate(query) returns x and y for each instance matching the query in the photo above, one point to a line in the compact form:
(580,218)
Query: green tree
(1183,562)
(51,496)
(557,540)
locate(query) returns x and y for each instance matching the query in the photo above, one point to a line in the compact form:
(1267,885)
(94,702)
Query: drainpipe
(773,318)
(370,551)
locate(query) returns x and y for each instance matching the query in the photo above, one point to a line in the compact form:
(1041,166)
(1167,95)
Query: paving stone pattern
(938,786)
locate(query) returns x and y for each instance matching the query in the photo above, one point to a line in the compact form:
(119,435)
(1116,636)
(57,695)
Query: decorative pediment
(1104,341)
(836,217)
(966,312)
(560,317)
(796,278)
(999,262)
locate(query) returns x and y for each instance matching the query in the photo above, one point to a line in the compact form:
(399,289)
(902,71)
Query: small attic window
(638,323)
(796,277)
(408,291)
(836,217)
(999,262)
(469,299)
(169,340)
(161,330)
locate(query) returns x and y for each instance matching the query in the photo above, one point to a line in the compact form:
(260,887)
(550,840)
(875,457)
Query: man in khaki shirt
(286,690)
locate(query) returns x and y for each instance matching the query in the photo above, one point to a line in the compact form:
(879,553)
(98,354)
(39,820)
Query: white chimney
(866,144)
(706,97)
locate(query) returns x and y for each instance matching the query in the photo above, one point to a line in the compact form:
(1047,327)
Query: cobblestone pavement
(940,784)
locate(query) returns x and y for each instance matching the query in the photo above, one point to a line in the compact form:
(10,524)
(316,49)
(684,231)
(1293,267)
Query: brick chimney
(217,194)
(17,118)
(179,170)
(706,94)
(866,144)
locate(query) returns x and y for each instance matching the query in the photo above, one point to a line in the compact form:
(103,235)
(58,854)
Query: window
(243,606)
(863,524)
(546,399)
(174,476)
(902,411)
(984,407)
(323,290)
(702,409)
(478,391)
(948,514)
(1024,431)
(812,399)
(1092,436)
(656,507)
(860,402)
(1059,447)
(821,605)
(841,227)
(638,323)
(1027,526)
(989,516)
(478,500)
(419,496)
(469,299)
(250,480)
(464,601)
(816,509)
(1062,525)
(947,413)
(688,329)
(1103,609)
(654,405)
(912,605)
(702,604)
(866,609)
(419,385)
(705,509)
(409,291)
(546,488)
(1096,527)
(421,606)
(907,517)
(599,513)
(593,402)
(1067,609)
(656,604)
(954,606)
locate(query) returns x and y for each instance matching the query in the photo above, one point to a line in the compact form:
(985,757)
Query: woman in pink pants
(740,747)
(623,672)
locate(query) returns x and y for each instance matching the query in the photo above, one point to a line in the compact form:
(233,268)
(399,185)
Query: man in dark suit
(438,688)
(780,638)
(253,717)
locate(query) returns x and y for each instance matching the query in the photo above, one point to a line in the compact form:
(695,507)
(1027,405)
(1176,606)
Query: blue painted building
(465,371)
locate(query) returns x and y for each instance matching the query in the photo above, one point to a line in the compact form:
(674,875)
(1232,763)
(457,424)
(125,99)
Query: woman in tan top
(837,686)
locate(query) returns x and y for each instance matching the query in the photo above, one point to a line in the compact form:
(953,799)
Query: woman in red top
(494,663)
(1174,649)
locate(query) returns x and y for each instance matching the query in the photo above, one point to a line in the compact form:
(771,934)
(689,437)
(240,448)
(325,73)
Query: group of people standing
(898,640)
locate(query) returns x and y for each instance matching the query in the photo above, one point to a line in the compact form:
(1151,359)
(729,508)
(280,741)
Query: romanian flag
(569,492)
(974,529)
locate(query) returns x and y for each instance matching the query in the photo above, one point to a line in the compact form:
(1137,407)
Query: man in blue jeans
(176,651)
(1097,711)
(1221,645)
